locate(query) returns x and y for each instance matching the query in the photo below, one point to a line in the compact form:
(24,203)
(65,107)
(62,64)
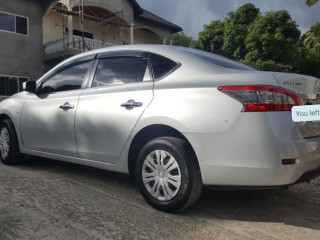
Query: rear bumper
(304,178)
(309,175)
(259,177)
(250,154)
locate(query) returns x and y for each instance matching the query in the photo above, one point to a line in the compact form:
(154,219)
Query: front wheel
(9,146)
(168,174)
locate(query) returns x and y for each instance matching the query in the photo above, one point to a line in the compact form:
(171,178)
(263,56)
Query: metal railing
(78,43)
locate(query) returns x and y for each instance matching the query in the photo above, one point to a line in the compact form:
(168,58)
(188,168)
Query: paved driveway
(47,199)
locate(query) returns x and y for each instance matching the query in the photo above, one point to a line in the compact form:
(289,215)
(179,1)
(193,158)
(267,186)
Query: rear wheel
(9,146)
(168,174)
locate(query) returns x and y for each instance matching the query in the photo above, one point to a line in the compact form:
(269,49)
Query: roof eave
(136,8)
(174,28)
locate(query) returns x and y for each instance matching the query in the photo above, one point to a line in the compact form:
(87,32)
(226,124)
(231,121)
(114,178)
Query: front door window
(66,79)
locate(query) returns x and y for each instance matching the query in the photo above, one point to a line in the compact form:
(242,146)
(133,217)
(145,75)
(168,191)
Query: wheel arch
(13,155)
(147,134)
(3,117)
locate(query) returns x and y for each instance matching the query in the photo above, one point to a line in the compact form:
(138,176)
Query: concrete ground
(49,200)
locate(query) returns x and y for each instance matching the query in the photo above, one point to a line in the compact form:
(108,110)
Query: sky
(191,15)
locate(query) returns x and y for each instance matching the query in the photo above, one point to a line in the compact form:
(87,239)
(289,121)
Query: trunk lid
(309,90)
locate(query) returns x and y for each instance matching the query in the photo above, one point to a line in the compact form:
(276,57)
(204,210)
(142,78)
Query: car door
(47,121)
(110,107)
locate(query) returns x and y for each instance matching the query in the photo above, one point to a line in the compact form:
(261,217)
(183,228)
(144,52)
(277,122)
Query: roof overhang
(153,18)
(136,7)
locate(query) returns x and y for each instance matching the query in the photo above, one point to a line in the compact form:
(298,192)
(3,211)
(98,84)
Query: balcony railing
(78,43)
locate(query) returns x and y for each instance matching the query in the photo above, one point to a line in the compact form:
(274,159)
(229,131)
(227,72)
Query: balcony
(61,48)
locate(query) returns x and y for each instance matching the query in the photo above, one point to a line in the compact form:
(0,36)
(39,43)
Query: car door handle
(66,106)
(131,104)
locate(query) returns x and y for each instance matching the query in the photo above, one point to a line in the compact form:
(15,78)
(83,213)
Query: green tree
(180,39)
(307,62)
(236,30)
(244,15)
(234,41)
(269,41)
(311,2)
(311,39)
(211,37)
(273,40)
(194,44)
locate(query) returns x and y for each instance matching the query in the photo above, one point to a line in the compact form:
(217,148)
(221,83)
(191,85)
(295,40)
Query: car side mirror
(29,86)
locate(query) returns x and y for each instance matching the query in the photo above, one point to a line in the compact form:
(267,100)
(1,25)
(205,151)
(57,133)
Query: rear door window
(120,70)
(162,66)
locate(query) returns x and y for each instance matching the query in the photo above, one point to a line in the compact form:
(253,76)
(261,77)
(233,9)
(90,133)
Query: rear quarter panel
(192,110)
(193,103)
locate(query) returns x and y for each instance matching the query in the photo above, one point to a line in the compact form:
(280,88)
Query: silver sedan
(176,119)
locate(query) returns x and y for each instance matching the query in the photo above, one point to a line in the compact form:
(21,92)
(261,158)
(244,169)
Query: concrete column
(171,42)
(131,37)
(70,27)
(121,35)
(164,41)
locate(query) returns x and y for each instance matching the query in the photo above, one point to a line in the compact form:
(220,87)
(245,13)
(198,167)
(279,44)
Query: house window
(13,23)
(11,85)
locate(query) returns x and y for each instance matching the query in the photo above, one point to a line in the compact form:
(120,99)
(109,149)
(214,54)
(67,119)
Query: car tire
(168,174)
(9,146)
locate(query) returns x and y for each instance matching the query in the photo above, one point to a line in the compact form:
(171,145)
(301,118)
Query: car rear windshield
(218,60)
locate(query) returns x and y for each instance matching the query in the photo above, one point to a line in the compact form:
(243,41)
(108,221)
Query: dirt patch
(53,200)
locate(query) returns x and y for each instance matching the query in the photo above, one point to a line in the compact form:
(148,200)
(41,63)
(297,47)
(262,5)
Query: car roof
(177,53)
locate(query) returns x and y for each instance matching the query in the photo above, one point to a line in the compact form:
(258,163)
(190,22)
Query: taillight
(263,98)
